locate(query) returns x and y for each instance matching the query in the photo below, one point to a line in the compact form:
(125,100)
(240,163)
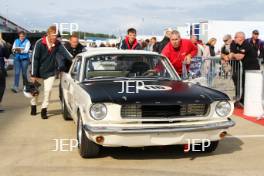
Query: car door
(71,83)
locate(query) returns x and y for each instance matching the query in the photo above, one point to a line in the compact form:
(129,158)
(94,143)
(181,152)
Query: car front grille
(136,111)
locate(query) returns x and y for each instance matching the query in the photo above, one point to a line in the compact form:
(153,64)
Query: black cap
(255,31)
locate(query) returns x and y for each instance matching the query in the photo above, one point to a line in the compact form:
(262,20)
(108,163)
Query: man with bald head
(241,50)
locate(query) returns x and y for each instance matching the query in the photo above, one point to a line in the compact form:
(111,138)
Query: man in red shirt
(179,51)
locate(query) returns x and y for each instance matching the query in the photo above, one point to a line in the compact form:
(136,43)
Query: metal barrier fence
(225,76)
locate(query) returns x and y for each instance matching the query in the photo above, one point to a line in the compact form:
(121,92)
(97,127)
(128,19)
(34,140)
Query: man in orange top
(179,51)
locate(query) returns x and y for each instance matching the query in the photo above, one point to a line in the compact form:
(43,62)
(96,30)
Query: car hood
(153,92)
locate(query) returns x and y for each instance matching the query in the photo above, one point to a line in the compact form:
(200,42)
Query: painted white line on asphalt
(246,136)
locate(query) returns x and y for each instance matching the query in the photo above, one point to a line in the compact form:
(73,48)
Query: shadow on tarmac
(226,146)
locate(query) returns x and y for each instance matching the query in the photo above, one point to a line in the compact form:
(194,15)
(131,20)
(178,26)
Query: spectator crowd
(51,56)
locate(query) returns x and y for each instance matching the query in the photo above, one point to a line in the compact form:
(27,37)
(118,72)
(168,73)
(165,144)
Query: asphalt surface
(27,144)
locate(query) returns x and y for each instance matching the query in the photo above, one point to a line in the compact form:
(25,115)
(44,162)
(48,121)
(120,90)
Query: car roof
(109,50)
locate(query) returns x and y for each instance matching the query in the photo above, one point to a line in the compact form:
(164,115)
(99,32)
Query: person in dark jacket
(130,42)
(45,62)
(74,47)
(256,43)
(241,50)
(160,45)
(4,54)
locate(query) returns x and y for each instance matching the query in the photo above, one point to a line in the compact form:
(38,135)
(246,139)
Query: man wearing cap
(256,43)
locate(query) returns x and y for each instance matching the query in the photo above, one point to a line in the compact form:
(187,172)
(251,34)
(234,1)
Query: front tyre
(65,113)
(87,148)
(60,91)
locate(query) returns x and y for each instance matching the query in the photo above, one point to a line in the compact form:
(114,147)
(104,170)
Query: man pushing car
(179,51)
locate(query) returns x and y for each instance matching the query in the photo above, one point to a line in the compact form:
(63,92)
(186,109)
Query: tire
(65,113)
(87,148)
(60,92)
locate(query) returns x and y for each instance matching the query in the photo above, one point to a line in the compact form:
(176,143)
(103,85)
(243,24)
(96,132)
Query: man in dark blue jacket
(45,63)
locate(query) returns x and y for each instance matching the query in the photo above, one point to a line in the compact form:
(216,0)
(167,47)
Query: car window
(76,70)
(130,66)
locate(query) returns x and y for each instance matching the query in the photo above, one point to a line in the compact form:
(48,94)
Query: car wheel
(87,148)
(65,113)
(60,92)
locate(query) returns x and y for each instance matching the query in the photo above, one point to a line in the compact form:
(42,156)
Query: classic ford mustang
(136,99)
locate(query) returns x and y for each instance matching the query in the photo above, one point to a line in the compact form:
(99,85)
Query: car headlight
(223,108)
(98,111)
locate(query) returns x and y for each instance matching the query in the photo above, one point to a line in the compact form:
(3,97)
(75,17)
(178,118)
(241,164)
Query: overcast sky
(115,16)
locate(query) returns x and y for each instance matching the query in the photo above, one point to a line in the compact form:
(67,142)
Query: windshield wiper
(102,77)
(105,77)
(153,77)
(127,78)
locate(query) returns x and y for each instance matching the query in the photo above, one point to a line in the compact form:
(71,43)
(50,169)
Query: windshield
(128,66)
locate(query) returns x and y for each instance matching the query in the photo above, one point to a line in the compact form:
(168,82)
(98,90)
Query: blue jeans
(20,65)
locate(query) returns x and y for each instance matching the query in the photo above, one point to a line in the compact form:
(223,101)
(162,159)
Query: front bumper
(140,137)
(189,128)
